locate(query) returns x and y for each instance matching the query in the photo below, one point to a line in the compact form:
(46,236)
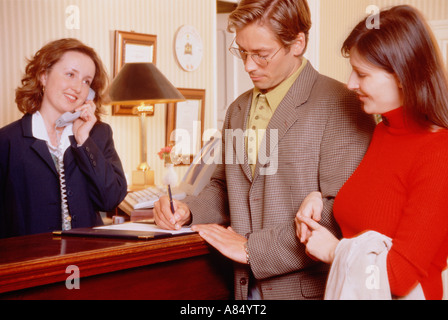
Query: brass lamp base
(143,176)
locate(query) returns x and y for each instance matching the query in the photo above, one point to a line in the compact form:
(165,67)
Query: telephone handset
(69,117)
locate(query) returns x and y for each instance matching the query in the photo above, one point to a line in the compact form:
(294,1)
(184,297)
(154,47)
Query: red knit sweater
(400,189)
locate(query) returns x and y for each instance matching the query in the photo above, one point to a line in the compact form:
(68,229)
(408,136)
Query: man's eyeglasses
(262,61)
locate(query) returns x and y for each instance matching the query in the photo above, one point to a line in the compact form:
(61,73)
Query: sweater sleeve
(424,224)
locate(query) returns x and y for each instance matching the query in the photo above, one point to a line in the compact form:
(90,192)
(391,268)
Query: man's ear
(299,45)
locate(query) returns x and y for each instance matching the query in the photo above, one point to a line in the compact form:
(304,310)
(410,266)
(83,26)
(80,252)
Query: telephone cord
(66,219)
(59,155)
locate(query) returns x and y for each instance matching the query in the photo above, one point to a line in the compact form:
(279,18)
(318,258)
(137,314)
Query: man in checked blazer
(296,132)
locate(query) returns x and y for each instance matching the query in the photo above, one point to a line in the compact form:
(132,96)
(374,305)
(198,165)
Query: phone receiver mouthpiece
(67,118)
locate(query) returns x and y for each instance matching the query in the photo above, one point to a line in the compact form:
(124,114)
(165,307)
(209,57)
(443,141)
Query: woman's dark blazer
(30,197)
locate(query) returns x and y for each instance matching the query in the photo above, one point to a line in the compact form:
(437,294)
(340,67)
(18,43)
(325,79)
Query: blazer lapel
(238,126)
(39,146)
(286,115)
(69,157)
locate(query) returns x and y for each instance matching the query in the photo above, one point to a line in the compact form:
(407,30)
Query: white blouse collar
(40,132)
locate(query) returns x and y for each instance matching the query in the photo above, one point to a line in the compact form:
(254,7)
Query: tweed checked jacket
(314,142)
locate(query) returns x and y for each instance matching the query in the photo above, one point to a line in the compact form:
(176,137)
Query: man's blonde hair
(286,18)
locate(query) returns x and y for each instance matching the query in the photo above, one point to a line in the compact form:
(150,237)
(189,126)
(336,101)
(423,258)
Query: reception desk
(181,267)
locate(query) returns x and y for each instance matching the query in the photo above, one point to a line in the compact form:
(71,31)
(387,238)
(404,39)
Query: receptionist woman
(58,178)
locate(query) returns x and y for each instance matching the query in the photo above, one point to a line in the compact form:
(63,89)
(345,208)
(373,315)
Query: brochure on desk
(130,230)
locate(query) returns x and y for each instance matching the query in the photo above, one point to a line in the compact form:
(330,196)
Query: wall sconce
(142,85)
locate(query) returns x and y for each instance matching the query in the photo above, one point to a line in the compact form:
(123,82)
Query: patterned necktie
(259,121)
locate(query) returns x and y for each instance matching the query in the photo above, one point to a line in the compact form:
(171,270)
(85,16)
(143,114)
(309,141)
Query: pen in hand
(171,199)
(170,178)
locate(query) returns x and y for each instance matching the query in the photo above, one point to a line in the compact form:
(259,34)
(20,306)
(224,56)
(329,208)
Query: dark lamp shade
(138,83)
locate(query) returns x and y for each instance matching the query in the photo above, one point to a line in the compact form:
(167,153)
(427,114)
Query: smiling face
(67,83)
(379,90)
(259,39)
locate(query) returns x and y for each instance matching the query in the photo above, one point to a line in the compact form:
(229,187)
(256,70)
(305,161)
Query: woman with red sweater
(400,188)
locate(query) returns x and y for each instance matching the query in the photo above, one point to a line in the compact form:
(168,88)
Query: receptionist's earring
(43,82)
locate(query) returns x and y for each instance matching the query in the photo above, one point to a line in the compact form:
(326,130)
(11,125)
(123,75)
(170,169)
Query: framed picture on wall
(185,124)
(132,47)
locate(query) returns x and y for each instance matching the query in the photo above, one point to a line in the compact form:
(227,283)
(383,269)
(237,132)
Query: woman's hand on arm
(320,244)
(311,207)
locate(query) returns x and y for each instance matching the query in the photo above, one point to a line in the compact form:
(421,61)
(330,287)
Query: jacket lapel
(69,158)
(39,146)
(238,126)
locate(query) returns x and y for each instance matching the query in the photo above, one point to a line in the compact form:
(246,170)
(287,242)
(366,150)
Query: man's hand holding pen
(225,240)
(166,219)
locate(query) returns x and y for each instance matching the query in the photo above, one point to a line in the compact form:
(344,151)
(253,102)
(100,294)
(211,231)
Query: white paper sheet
(135,226)
(138,53)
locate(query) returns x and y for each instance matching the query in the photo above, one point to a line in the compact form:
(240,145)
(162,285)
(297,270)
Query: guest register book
(130,230)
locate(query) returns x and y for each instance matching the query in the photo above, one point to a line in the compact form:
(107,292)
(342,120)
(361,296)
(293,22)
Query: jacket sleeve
(101,165)
(4,153)
(211,205)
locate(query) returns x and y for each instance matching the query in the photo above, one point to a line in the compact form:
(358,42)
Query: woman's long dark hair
(404,45)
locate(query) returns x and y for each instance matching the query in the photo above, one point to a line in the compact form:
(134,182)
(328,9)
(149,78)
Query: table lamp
(142,85)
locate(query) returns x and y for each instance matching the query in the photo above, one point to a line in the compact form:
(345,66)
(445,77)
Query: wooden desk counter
(182,267)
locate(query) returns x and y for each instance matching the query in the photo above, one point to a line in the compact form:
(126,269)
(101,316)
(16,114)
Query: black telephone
(69,117)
